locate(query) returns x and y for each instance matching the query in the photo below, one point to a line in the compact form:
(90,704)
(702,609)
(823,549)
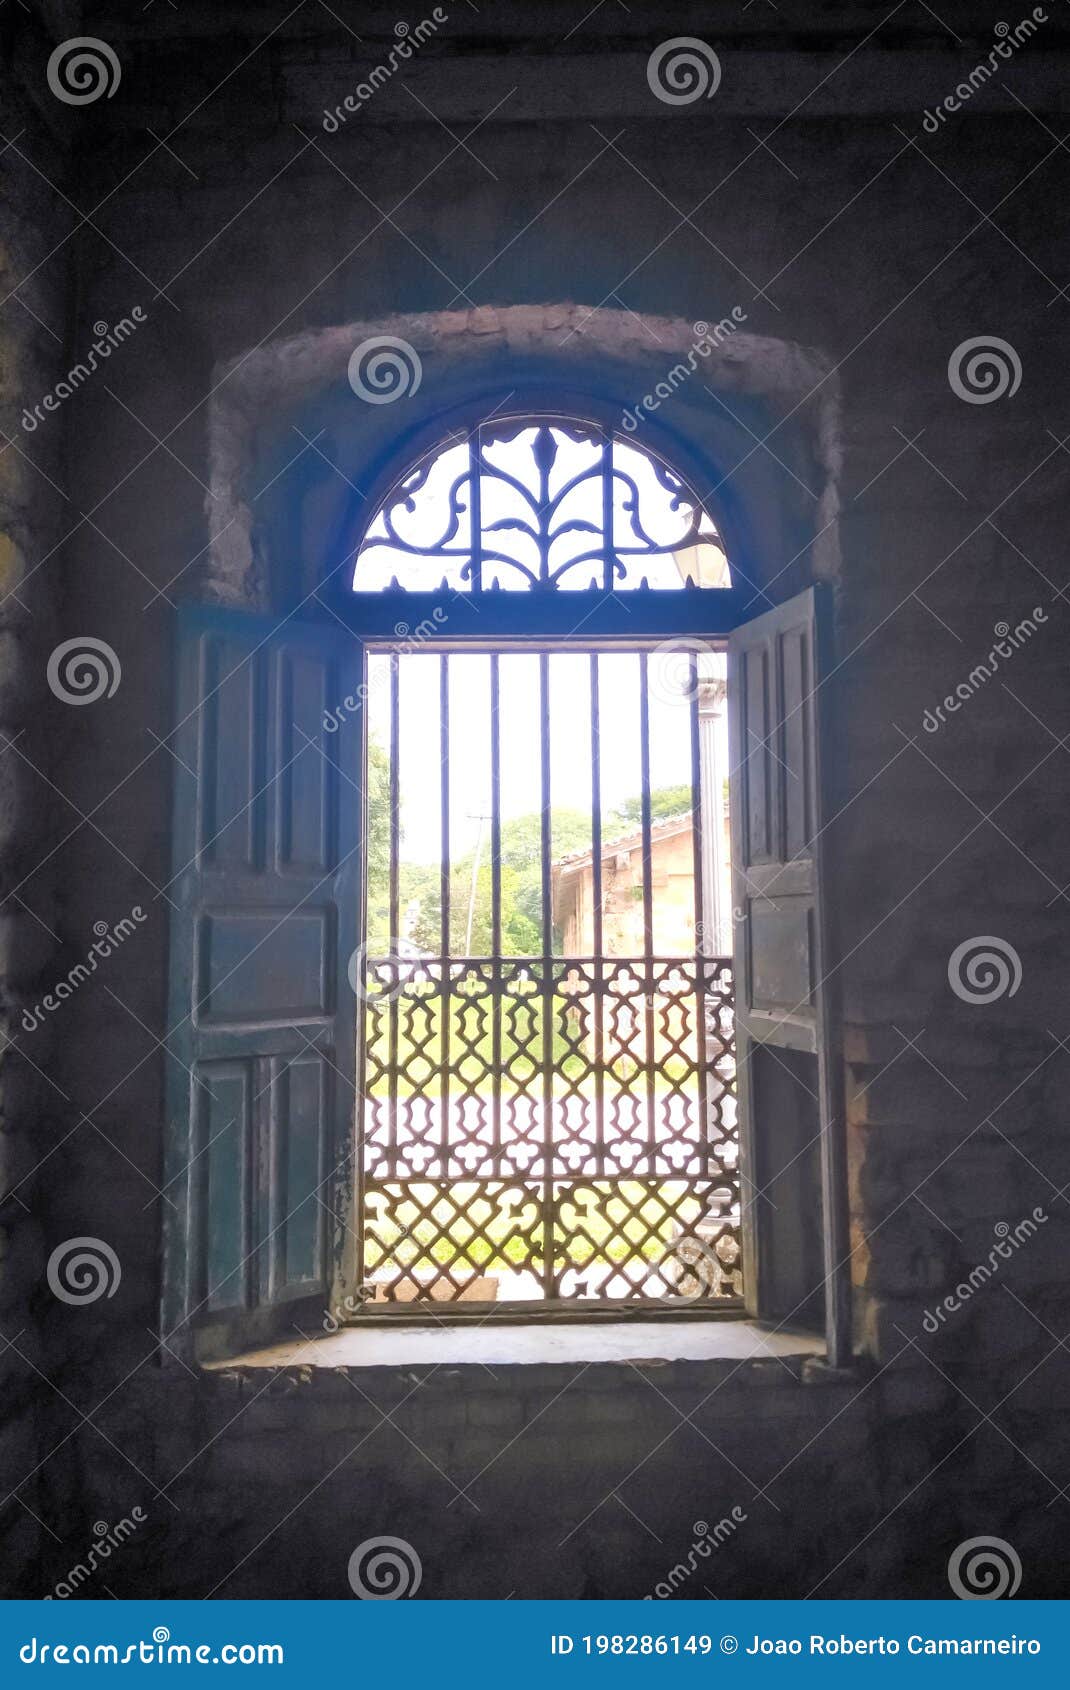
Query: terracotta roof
(663,828)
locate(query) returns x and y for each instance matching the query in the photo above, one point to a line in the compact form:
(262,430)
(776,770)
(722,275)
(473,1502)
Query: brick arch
(754,427)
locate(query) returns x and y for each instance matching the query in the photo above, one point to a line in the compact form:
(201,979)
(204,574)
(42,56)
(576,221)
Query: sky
(508,518)
(570,699)
(520,734)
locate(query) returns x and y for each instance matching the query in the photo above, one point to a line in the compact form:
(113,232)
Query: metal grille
(551,1129)
(540,504)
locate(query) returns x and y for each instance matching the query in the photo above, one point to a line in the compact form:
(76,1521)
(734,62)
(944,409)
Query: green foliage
(420,883)
(664,801)
(521,884)
(378,843)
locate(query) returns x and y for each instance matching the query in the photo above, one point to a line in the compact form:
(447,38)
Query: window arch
(540,503)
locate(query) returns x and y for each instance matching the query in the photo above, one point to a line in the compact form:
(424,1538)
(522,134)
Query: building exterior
(672,875)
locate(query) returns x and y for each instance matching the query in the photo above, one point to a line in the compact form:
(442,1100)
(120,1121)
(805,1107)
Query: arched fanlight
(542,504)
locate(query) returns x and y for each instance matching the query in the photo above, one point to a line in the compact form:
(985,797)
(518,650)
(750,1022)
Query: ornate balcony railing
(549,1130)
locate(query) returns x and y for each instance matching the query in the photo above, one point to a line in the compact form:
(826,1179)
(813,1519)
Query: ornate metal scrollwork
(540,504)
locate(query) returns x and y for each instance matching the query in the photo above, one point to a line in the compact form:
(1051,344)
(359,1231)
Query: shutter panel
(790,1078)
(262,1016)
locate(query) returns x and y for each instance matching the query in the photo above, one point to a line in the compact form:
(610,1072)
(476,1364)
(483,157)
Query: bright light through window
(540,505)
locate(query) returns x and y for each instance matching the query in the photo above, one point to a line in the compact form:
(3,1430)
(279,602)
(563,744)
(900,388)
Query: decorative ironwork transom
(540,504)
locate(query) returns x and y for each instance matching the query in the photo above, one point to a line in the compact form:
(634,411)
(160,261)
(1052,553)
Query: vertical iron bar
(648,905)
(702,948)
(496,901)
(540,454)
(392,918)
(597,983)
(545,846)
(607,512)
(444,900)
(362,1001)
(475,507)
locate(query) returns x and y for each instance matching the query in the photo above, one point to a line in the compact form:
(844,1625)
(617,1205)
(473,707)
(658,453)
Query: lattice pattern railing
(554,1129)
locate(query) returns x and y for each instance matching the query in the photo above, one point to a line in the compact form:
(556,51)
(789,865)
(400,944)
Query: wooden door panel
(789,1076)
(262,1018)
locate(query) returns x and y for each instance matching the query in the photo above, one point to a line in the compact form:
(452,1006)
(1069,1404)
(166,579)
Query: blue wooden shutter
(262,1017)
(792,1130)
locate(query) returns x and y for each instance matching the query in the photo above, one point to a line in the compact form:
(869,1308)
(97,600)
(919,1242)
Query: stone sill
(636,1342)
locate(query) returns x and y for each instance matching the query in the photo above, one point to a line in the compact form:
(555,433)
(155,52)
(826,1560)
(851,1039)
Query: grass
(626,1221)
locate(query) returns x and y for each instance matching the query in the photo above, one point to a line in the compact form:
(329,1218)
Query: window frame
(539,614)
(504,618)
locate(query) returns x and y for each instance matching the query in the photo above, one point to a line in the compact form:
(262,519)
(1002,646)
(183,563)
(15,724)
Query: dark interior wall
(37,289)
(529,164)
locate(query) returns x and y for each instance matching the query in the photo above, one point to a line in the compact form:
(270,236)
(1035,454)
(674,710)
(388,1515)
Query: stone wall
(35,520)
(842,227)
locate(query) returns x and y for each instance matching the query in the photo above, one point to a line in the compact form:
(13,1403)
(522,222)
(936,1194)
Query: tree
(377,861)
(664,801)
(521,873)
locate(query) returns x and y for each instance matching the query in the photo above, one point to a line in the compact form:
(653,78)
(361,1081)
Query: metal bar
(475,503)
(505,617)
(545,846)
(607,513)
(392,918)
(648,905)
(649,1043)
(702,946)
(543,460)
(360,1076)
(469,620)
(552,1311)
(496,900)
(597,975)
(444,898)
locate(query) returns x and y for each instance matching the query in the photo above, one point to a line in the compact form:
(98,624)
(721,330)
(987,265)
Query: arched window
(540,504)
(451,942)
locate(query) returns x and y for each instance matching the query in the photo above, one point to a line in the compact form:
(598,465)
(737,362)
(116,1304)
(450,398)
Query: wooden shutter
(262,1018)
(792,1129)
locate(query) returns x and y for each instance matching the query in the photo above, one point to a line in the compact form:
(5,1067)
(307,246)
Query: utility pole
(481,817)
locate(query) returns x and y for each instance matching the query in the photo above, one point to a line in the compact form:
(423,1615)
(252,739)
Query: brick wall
(249,241)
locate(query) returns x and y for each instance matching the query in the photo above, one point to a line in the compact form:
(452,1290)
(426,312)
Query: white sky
(520,732)
(572,520)
(570,708)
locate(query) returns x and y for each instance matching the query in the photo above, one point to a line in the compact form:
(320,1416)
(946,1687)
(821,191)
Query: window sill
(634,1341)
